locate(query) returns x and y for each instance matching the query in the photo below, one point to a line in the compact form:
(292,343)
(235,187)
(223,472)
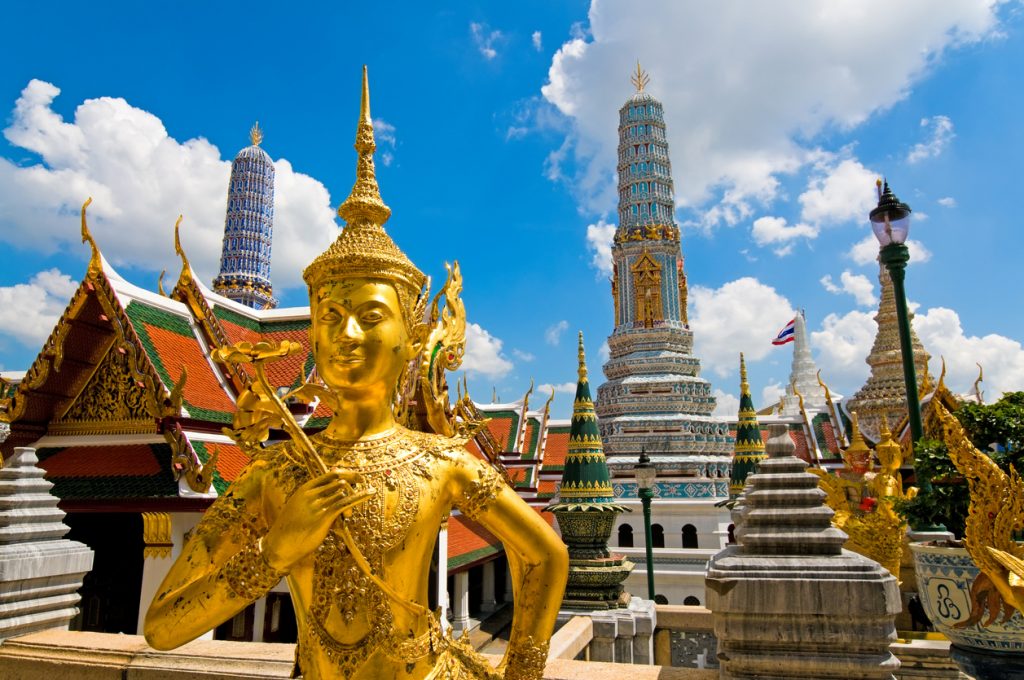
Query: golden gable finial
(256,134)
(640,78)
(95,260)
(186,268)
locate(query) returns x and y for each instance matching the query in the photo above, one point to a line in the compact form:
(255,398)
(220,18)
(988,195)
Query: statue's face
(360,340)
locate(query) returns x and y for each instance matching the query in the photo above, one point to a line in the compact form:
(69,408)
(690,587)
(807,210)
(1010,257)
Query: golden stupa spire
(640,78)
(858,447)
(582,371)
(744,385)
(365,203)
(256,134)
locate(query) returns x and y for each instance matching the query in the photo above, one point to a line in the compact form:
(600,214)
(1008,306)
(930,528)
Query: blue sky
(496,133)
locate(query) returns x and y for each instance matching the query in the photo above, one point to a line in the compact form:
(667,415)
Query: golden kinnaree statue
(350,516)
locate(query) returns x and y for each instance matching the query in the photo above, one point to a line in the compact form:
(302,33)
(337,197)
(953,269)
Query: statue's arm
(218,573)
(537,558)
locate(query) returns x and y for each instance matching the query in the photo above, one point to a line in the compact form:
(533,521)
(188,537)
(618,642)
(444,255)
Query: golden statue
(995,516)
(350,516)
(863,499)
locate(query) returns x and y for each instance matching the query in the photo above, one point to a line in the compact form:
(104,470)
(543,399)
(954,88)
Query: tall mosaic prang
(884,395)
(249,228)
(586,511)
(749,445)
(654,398)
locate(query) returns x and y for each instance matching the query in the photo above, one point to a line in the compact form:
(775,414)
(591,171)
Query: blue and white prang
(249,228)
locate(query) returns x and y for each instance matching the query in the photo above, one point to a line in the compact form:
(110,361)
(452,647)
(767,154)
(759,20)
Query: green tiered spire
(586,512)
(749,446)
(585,480)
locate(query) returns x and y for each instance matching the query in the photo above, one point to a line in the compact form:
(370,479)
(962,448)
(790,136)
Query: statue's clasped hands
(309,514)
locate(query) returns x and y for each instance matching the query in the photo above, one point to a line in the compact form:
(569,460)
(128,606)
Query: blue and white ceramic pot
(944,579)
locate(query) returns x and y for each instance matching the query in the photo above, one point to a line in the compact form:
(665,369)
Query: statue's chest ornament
(348,568)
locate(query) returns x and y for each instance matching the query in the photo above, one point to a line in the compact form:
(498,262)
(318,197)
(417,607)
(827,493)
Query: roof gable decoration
(187,291)
(122,391)
(112,319)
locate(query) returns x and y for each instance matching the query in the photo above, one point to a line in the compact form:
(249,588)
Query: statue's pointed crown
(364,248)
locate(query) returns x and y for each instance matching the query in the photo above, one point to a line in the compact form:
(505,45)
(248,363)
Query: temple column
(259,617)
(509,591)
(442,573)
(460,602)
(489,603)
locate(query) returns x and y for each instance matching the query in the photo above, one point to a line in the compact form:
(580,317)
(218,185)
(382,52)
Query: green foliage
(1000,423)
(947,501)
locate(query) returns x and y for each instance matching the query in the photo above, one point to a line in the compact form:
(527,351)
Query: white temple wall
(712,523)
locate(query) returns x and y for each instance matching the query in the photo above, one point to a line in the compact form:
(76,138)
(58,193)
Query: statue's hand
(308,515)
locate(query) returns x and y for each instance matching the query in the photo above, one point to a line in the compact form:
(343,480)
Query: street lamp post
(645,474)
(890,221)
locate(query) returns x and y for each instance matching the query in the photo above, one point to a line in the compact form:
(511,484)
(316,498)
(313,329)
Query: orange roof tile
(202,388)
(556,449)
(501,430)
(800,440)
(102,461)
(468,542)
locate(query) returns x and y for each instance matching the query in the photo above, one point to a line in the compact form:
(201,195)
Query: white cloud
(857,285)
(561,388)
(536,38)
(553,335)
(599,242)
(719,69)
(485,40)
(947,202)
(741,316)
(523,356)
(844,342)
(29,311)
(483,354)
(941,133)
(865,251)
(844,192)
(140,179)
(1002,358)
(842,345)
(384,133)
(770,394)
(726,405)
(768,230)
(605,352)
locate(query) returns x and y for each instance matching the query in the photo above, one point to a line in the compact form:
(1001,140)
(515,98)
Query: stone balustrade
(103,656)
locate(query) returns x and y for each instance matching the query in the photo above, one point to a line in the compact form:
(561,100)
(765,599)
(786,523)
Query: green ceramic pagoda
(749,445)
(586,511)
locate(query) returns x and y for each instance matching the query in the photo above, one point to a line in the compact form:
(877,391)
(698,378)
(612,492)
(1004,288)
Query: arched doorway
(657,536)
(625,536)
(689,536)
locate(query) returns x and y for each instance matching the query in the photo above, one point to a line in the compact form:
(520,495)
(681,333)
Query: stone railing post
(602,647)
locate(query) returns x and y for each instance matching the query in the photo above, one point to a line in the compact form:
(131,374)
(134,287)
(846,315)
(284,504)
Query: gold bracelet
(526,660)
(248,574)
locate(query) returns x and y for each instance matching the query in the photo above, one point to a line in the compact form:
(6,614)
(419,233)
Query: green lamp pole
(645,474)
(890,221)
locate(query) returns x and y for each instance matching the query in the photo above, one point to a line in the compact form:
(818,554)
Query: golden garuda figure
(350,516)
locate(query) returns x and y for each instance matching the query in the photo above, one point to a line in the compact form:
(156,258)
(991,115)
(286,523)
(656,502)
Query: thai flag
(786,334)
